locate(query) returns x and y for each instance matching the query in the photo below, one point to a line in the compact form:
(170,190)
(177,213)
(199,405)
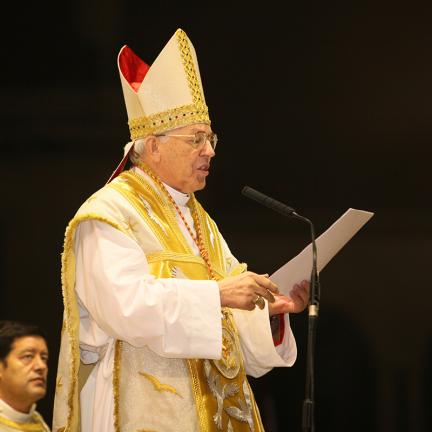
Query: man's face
(182,166)
(23,373)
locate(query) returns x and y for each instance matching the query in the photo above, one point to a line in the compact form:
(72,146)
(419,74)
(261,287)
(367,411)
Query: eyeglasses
(197,140)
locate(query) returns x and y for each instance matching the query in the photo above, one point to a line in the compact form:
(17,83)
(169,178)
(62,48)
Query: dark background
(323,108)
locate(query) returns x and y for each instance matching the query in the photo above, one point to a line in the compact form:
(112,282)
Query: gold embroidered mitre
(166,95)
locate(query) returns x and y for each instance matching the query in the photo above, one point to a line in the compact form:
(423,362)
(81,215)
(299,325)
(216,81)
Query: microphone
(290,212)
(270,203)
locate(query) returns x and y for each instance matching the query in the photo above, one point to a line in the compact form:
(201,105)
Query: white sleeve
(174,317)
(256,340)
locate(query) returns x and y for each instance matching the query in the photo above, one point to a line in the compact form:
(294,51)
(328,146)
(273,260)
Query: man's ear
(152,147)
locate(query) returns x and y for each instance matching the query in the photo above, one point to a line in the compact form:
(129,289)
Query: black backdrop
(324,109)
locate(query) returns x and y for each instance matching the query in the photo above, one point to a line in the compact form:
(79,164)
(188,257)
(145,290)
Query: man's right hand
(242,291)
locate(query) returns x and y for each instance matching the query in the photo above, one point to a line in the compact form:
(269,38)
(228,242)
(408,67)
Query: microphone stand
(308,418)
(308,414)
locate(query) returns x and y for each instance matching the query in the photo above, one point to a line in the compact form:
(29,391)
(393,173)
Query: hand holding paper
(296,302)
(328,245)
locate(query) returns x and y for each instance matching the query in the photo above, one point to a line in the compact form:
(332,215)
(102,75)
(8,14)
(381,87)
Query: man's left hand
(295,303)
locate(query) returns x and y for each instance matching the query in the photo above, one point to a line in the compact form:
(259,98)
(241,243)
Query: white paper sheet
(328,245)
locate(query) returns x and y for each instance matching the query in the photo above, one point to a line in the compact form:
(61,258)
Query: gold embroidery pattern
(189,67)
(201,410)
(140,127)
(229,364)
(243,413)
(172,256)
(219,391)
(158,386)
(208,228)
(116,384)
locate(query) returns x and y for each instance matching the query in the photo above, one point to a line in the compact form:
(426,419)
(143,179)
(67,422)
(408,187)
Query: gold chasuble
(154,393)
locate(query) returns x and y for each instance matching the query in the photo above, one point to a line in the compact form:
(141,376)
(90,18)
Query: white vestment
(177,318)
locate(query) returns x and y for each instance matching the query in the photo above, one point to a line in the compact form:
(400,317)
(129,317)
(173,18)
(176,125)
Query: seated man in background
(23,376)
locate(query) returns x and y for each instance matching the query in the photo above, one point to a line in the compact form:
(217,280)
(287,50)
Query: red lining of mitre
(133,70)
(132,67)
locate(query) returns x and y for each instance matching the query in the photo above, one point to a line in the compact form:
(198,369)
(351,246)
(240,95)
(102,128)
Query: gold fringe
(71,318)
(116,384)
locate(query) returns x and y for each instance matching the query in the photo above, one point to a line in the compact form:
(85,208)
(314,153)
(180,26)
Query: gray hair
(139,149)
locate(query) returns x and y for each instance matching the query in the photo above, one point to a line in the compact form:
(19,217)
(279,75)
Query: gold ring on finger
(259,301)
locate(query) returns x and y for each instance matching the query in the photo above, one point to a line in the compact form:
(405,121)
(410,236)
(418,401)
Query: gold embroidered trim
(158,386)
(172,256)
(238,269)
(189,68)
(140,127)
(71,315)
(202,413)
(116,384)
(34,427)
(209,228)
(164,256)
